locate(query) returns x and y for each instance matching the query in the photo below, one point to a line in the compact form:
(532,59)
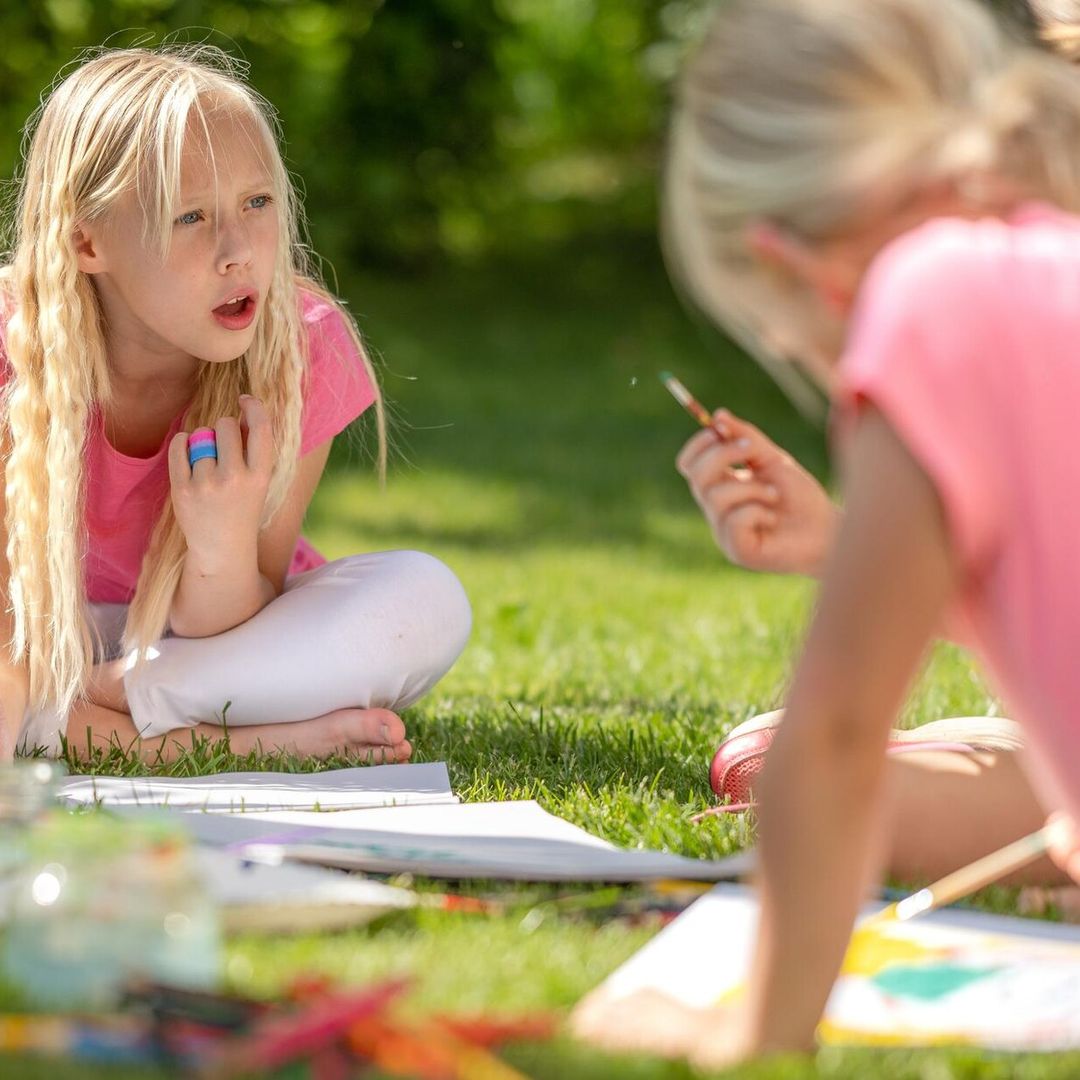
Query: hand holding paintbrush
(766,512)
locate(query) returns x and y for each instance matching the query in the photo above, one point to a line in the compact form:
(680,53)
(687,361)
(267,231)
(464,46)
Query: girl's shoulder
(975,277)
(316,306)
(948,259)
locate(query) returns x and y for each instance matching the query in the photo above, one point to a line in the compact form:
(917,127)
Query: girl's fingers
(759,449)
(745,524)
(695,446)
(713,465)
(179,468)
(721,499)
(230,449)
(260,436)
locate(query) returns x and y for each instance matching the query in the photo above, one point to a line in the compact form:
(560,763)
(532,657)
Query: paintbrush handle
(975,875)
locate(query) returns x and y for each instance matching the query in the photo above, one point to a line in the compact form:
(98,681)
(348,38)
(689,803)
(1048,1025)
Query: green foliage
(459,128)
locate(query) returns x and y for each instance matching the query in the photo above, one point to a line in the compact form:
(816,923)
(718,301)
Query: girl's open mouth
(237,312)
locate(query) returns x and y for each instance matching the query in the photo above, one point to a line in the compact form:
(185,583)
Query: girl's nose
(234,247)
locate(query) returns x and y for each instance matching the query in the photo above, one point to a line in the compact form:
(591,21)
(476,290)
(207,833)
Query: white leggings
(361,632)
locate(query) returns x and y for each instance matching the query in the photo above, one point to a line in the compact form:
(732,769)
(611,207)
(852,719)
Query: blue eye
(190,218)
(260,202)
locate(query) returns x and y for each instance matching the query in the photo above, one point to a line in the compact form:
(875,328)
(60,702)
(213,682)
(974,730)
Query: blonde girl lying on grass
(158,284)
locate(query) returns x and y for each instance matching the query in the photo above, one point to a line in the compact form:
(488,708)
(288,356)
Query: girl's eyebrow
(204,196)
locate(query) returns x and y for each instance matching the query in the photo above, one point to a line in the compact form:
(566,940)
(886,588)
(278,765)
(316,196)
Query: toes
(378,727)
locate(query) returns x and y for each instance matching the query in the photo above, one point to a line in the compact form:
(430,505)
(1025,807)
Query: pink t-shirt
(966,337)
(125,494)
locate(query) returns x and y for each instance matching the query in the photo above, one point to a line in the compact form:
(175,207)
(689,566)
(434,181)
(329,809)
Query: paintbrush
(690,403)
(966,880)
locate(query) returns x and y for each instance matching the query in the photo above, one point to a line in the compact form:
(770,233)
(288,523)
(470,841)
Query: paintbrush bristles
(686,399)
(678,391)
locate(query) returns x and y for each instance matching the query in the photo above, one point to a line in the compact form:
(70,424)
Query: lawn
(613,646)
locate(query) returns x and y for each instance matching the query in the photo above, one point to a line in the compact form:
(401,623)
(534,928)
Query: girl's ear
(810,266)
(87,251)
(779,248)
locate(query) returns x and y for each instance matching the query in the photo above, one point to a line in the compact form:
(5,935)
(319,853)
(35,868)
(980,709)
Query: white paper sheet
(290,898)
(951,976)
(280,898)
(511,840)
(333,789)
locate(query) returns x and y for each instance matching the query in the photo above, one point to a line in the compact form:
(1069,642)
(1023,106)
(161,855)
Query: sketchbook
(333,789)
(518,841)
(950,977)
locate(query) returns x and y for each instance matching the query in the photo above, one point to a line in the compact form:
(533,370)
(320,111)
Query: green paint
(928,982)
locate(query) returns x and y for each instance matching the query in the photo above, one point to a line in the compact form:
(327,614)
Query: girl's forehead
(223,149)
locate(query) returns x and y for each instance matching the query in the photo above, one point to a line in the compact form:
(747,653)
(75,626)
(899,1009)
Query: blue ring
(198,453)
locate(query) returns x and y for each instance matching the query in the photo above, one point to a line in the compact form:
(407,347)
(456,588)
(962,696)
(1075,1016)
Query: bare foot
(378,735)
(375,734)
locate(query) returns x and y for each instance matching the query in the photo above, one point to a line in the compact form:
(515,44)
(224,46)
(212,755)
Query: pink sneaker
(742,754)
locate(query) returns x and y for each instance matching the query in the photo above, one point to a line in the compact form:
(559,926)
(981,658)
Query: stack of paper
(335,789)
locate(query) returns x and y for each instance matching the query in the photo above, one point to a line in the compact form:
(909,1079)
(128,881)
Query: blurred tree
(422,131)
(448,128)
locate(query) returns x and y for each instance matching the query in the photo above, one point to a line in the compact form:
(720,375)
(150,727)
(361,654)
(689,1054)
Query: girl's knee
(432,585)
(422,595)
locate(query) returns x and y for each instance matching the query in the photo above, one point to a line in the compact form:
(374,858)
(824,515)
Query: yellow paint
(873,948)
(838,1035)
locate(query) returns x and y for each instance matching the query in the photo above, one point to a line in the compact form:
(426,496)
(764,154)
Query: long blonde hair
(117,124)
(795,111)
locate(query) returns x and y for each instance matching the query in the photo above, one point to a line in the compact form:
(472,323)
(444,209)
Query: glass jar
(101,901)
(28,790)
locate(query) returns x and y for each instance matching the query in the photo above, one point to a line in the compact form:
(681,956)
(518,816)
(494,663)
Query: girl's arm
(820,794)
(232,569)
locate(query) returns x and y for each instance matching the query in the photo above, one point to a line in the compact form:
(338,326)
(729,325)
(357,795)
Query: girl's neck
(143,410)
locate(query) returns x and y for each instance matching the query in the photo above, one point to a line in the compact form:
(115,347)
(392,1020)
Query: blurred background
(480,178)
(426,133)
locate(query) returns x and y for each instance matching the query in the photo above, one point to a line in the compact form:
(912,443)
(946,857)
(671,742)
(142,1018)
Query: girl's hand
(1064,846)
(219,504)
(771,514)
(649,1022)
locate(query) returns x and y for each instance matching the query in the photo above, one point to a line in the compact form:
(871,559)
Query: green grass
(613,647)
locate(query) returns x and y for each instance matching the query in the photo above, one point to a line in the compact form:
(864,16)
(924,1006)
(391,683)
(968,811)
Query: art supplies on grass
(336,1030)
(509,840)
(948,977)
(332,789)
